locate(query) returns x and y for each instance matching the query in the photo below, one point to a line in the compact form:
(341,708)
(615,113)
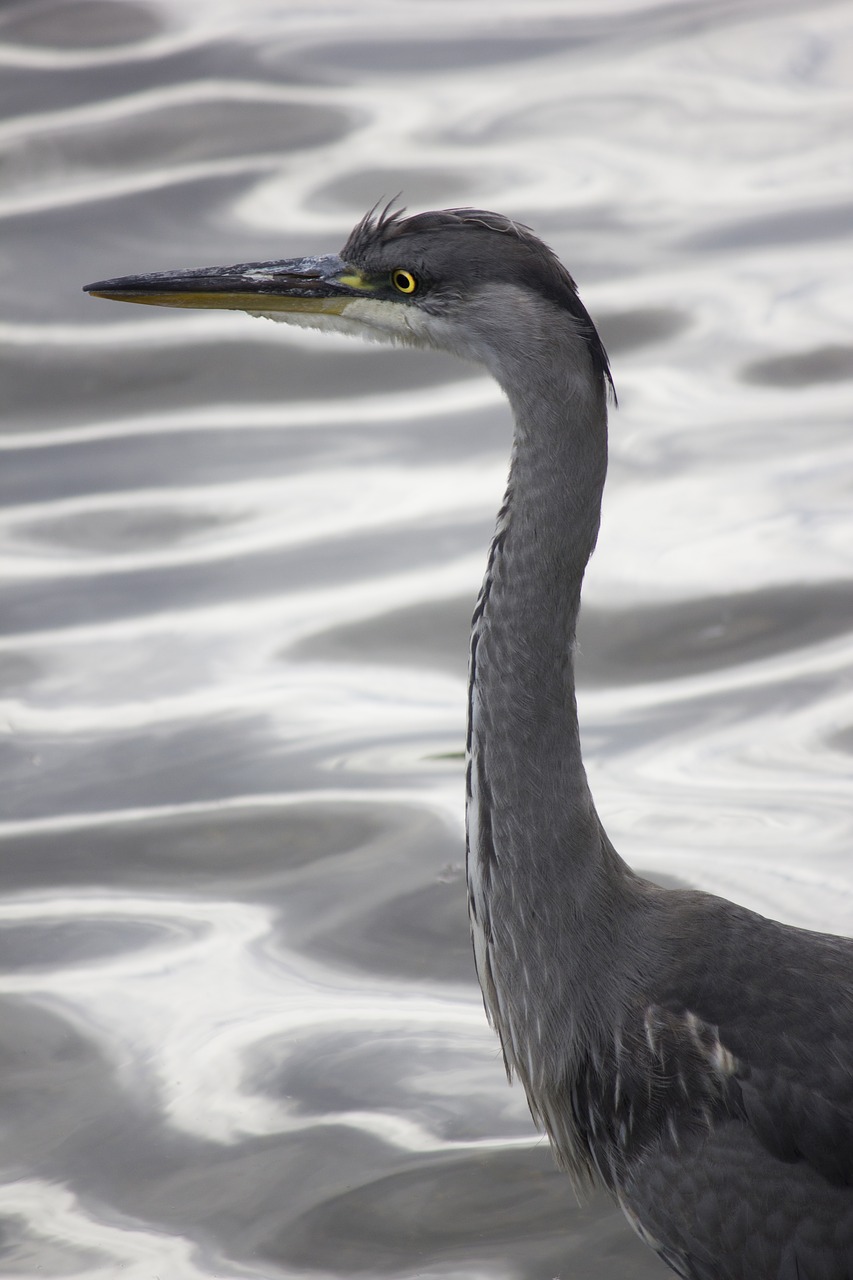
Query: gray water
(240,1033)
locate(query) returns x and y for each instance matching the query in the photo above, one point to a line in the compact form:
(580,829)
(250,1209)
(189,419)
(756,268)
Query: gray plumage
(692,1056)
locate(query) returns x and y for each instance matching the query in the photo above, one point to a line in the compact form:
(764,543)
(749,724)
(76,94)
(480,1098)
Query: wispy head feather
(525,259)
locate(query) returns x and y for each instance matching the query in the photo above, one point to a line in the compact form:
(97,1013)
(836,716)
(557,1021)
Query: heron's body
(694,1057)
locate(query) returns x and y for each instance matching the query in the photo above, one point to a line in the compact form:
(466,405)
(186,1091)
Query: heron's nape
(692,1056)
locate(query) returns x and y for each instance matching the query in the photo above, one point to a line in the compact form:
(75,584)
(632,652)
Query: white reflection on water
(70,1238)
(241,1033)
(207,990)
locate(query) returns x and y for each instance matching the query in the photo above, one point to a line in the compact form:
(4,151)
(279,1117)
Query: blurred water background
(239,1029)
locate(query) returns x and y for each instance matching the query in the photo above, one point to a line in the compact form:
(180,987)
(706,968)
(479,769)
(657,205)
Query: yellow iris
(404,281)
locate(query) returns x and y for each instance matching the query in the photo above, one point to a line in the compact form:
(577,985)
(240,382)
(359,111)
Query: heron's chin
(376,320)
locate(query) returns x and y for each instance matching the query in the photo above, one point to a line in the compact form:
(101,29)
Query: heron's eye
(404,281)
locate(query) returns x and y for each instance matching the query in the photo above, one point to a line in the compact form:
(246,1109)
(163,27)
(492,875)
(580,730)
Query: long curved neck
(537,856)
(524,722)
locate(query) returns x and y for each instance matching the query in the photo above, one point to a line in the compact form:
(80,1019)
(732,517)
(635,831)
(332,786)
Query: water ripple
(241,1033)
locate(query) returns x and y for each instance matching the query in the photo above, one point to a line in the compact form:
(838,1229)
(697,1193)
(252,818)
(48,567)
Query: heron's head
(461,280)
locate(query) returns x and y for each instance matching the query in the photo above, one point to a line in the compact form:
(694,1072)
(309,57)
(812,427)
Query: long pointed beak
(326,285)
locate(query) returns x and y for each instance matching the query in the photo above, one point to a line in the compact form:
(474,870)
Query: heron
(693,1057)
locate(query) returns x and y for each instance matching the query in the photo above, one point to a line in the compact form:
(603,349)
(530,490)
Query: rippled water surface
(240,1032)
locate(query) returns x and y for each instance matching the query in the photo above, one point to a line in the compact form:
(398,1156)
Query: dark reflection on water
(116,531)
(189,133)
(780,229)
(499,1212)
(802,368)
(614,645)
(31,607)
(391,57)
(628,330)
(239,1030)
(222,852)
(82,24)
(244,373)
(28,946)
(420,183)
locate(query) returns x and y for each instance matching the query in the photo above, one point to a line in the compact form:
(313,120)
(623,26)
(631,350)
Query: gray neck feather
(537,852)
